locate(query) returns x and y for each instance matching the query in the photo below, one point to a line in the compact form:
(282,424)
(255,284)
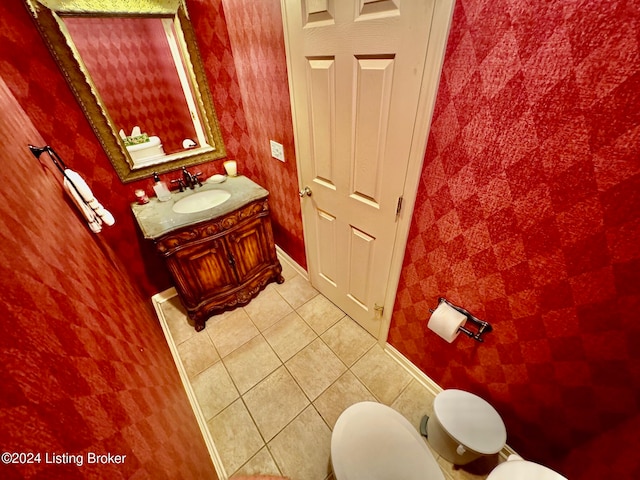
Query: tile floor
(272,378)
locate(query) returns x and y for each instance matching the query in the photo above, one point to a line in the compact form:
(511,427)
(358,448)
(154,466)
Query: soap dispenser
(161,189)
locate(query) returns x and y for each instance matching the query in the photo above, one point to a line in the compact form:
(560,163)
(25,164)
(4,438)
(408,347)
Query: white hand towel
(87,195)
(95,224)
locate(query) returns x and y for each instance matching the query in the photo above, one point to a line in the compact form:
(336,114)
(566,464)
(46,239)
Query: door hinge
(398,207)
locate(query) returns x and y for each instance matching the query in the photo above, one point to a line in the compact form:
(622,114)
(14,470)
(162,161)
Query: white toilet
(374,442)
(464,427)
(517,468)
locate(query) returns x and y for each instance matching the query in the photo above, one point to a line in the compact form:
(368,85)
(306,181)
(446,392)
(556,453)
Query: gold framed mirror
(137,137)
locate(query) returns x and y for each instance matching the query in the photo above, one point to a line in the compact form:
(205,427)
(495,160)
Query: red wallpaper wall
(257,38)
(84,366)
(131,65)
(529,216)
(527,213)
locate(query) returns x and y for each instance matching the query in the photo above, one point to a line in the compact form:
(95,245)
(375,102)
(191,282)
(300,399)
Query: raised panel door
(356,76)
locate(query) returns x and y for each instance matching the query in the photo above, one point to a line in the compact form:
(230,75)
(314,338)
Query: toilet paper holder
(483,327)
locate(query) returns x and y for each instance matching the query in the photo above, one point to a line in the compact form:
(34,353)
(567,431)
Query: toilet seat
(470,421)
(373,441)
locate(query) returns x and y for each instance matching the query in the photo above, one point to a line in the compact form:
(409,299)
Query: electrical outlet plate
(277,151)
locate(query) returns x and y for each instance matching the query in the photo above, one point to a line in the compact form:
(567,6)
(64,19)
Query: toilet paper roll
(445,321)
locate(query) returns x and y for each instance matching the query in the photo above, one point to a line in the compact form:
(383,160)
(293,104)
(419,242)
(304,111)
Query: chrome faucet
(190,180)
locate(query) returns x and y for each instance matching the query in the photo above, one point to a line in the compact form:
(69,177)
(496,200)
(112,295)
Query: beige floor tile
(296,291)
(235,436)
(176,316)
(214,390)
(262,463)
(274,402)
(414,402)
(320,313)
(289,336)
(251,363)
(348,340)
(344,392)
(383,376)
(267,308)
(197,353)
(230,330)
(303,448)
(274,407)
(315,368)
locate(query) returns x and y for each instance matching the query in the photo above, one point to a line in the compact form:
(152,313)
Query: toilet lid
(374,442)
(470,420)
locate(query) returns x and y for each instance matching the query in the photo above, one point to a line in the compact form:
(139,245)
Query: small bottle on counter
(161,189)
(141,196)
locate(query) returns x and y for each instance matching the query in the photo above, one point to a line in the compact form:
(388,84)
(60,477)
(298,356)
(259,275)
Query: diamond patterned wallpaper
(84,366)
(529,217)
(527,212)
(130,63)
(257,38)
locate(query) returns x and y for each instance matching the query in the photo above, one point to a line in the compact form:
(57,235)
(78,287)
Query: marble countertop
(157,218)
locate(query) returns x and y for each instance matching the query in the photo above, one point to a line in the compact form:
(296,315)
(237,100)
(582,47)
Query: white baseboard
(284,257)
(157,300)
(429,384)
(414,371)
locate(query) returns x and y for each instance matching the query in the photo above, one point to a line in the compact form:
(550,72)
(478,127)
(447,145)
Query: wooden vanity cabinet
(224,262)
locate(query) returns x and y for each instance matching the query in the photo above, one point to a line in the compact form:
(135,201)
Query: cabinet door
(202,271)
(250,247)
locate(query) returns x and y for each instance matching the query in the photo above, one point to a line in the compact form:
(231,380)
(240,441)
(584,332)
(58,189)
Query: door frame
(440,25)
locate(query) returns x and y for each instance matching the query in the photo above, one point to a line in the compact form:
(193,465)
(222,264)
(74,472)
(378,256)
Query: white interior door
(356,73)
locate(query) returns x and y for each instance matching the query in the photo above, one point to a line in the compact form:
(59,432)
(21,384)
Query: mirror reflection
(138,70)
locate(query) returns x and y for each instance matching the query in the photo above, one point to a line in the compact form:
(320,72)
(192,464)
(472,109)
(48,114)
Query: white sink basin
(197,202)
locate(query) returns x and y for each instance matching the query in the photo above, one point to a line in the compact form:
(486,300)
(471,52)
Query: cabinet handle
(232,261)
